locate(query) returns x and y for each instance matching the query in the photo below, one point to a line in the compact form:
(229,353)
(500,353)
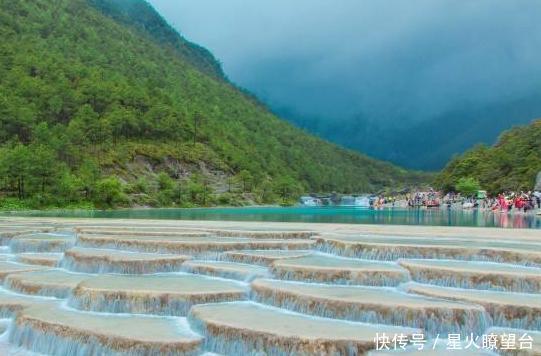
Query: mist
(396,64)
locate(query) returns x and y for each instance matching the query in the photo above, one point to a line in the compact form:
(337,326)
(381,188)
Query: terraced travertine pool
(142,287)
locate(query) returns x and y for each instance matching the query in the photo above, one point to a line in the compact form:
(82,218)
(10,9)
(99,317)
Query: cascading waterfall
(119,302)
(233,342)
(46,291)
(516,318)
(496,283)
(132,276)
(160,294)
(393,252)
(52,245)
(101,265)
(239,272)
(375,278)
(54,341)
(433,322)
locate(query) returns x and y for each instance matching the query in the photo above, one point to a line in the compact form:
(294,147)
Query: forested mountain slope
(142,16)
(94,108)
(511,164)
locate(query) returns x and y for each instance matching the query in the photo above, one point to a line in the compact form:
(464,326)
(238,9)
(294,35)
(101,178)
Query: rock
(476,275)
(165,294)
(375,305)
(91,260)
(247,328)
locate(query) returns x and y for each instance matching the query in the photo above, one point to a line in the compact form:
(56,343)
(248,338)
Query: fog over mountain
(412,81)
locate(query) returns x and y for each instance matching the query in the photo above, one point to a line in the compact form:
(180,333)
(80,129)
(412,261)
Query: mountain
(142,17)
(511,164)
(101,101)
(429,144)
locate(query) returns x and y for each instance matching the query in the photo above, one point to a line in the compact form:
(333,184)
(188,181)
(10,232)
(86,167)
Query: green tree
(43,165)
(109,192)
(287,188)
(197,122)
(166,189)
(245,178)
(165,182)
(69,187)
(16,166)
(467,186)
(266,192)
(89,174)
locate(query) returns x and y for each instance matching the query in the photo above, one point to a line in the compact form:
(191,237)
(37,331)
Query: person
(502,202)
(519,202)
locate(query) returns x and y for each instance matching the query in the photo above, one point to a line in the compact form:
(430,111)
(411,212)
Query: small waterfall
(101,265)
(145,246)
(40,259)
(516,318)
(468,281)
(46,245)
(240,275)
(393,252)
(432,321)
(51,340)
(144,303)
(261,257)
(368,252)
(19,286)
(230,341)
(344,277)
(193,248)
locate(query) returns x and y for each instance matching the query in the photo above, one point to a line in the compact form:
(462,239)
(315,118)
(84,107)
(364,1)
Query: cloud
(387,60)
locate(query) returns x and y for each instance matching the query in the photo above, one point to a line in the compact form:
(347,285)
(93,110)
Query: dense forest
(510,165)
(103,104)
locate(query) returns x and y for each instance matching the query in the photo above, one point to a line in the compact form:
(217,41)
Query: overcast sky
(387,59)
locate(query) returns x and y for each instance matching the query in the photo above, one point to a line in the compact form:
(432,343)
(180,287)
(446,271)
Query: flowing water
(81,287)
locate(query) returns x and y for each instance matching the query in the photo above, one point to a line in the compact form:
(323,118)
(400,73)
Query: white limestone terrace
(203,246)
(159,294)
(52,282)
(41,242)
(93,260)
(161,287)
(262,257)
(390,248)
(319,267)
(475,275)
(250,328)
(233,270)
(40,258)
(377,305)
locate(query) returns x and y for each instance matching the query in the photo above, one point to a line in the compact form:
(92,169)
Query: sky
(390,61)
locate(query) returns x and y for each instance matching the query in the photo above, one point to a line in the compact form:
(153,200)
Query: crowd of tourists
(428,199)
(520,201)
(503,202)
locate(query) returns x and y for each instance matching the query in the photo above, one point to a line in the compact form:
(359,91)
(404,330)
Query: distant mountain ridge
(141,15)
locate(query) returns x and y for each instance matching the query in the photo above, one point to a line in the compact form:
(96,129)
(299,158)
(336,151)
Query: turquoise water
(439,217)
